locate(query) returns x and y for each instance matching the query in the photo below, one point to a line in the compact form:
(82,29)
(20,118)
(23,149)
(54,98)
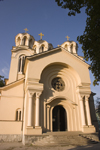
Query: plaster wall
(13,70)
(13,74)
(36,66)
(10,127)
(11,100)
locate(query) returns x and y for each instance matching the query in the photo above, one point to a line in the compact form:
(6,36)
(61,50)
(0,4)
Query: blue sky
(38,16)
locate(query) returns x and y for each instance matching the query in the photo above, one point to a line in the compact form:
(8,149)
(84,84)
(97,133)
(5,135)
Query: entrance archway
(59,118)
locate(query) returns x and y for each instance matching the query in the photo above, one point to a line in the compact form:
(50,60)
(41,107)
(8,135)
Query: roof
(53,50)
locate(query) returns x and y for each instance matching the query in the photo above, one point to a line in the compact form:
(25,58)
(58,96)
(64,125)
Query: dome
(24,39)
(41,46)
(70,46)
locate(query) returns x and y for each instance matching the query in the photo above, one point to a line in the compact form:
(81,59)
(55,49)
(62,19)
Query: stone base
(10,138)
(34,131)
(88,129)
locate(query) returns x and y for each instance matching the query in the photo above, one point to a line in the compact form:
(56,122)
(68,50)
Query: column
(30,110)
(82,111)
(88,110)
(37,110)
(48,118)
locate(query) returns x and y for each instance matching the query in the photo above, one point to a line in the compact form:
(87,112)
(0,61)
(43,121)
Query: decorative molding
(81,96)
(31,93)
(38,94)
(87,97)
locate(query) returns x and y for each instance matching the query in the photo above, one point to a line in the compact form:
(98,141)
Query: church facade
(48,90)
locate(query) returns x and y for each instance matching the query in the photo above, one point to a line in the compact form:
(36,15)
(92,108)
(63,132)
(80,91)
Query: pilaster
(30,110)
(82,110)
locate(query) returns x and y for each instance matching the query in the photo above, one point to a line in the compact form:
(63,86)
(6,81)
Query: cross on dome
(41,35)
(26,30)
(67,37)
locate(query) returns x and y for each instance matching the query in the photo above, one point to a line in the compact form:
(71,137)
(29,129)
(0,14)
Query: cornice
(55,50)
(12,84)
(19,48)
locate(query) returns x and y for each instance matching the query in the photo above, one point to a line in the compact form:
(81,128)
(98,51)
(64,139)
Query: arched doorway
(59,118)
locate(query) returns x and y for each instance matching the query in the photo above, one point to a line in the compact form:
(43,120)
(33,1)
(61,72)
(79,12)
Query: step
(59,138)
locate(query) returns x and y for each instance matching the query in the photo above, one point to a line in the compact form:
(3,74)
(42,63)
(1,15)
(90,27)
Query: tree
(90,39)
(2,83)
(98,106)
(98,110)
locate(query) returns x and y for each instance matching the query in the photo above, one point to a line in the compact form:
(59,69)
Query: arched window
(18,41)
(41,48)
(30,43)
(65,46)
(18,115)
(21,63)
(34,47)
(24,40)
(71,48)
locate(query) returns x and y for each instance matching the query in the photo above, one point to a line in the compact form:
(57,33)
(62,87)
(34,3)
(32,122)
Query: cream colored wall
(62,57)
(67,98)
(73,71)
(10,127)
(13,73)
(13,70)
(11,100)
(25,123)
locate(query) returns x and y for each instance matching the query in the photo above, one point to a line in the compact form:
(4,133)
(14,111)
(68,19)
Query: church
(48,89)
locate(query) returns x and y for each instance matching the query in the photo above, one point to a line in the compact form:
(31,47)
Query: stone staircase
(60,139)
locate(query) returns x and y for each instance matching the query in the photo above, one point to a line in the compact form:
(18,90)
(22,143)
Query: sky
(38,16)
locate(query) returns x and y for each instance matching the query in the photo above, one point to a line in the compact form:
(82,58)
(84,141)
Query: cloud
(5,71)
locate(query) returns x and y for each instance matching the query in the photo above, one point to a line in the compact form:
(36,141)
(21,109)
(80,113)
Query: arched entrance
(59,118)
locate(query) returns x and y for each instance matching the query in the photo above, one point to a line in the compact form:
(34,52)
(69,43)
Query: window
(58,84)
(18,41)
(30,43)
(18,115)
(41,49)
(24,40)
(71,48)
(21,63)
(65,46)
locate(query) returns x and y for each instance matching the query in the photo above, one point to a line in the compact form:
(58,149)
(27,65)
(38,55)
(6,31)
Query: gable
(37,63)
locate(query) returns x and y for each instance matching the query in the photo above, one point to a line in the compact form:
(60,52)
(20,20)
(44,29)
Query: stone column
(82,111)
(37,110)
(30,110)
(88,110)
(48,118)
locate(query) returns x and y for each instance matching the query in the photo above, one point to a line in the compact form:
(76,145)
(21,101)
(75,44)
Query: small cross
(41,35)
(67,37)
(26,30)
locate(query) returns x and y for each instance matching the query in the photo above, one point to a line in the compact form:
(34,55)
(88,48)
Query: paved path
(19,146)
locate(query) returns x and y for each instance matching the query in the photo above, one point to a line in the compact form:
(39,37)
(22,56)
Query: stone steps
(59,138)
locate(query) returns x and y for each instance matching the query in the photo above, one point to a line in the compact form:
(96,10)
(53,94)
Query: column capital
(81,96)
(48,106)
(87,97)
(31,93)
(38,94)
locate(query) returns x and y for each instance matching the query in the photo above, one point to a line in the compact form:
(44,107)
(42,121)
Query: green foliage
(90,39)
(2,83)
(98,106)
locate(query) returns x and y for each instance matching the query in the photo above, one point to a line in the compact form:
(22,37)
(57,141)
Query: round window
(58,84)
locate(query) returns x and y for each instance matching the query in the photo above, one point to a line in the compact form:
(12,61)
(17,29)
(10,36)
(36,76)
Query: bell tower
(23,47)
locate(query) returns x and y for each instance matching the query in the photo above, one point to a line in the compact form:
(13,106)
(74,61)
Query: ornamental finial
(26,30)
(67,37)
(41,35)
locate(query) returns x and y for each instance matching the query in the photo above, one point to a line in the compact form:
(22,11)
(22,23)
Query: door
(59,118)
